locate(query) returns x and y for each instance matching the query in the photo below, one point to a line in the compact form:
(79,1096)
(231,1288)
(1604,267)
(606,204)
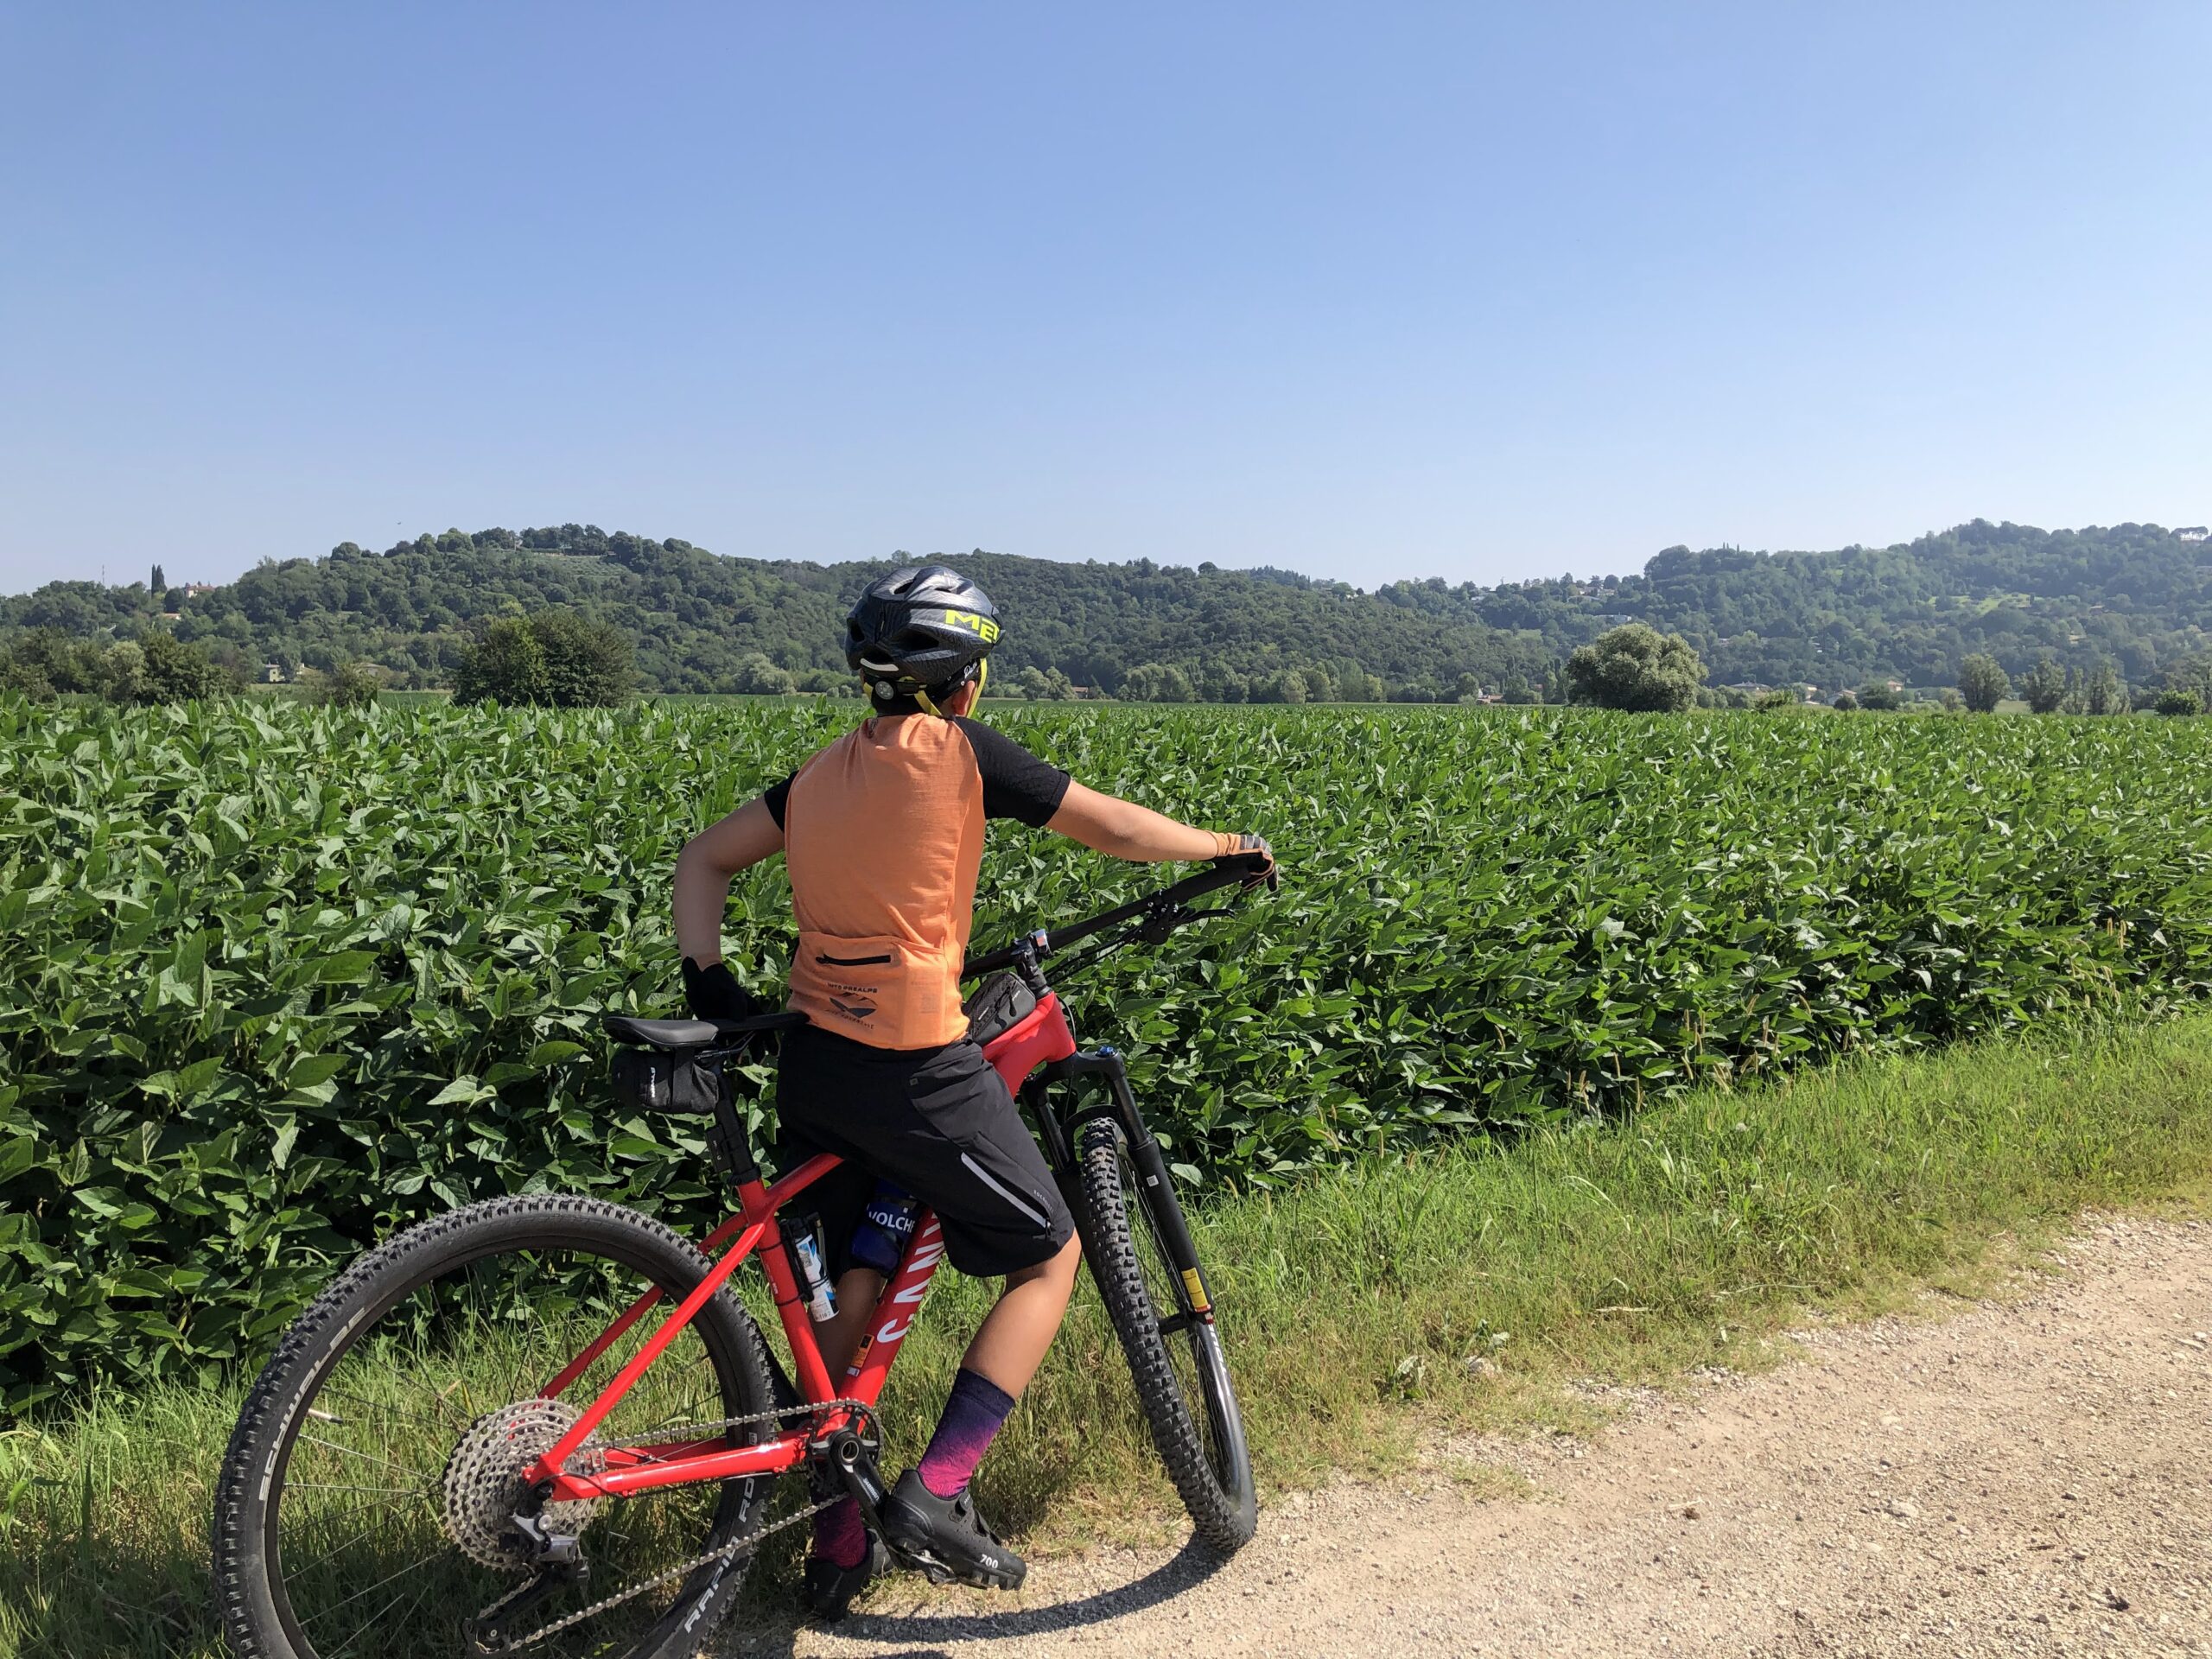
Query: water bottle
(880,1242)
(805,1237)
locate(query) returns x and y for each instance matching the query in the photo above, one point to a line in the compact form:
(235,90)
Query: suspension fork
(1105,1064)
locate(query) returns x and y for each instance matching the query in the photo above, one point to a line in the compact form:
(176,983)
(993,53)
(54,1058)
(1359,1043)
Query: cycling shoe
(946,1538)
(826,1590)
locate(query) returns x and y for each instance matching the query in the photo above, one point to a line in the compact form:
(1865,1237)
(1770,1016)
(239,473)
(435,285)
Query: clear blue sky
(1367,290)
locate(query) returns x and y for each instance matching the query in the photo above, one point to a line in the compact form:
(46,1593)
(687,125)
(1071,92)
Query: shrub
(2177,700)
(275,979)
(1982,683)
(46,662)
(1152,683)
(1637,668)
(504,664)
(351,685)
(756,675)
(158,668)
(1877,694)
(2045,687)
(556,657)
(177,672)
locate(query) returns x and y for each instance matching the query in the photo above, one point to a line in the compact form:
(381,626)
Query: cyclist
(882,832)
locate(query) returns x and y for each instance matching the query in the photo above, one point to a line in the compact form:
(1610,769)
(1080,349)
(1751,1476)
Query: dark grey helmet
(920,628)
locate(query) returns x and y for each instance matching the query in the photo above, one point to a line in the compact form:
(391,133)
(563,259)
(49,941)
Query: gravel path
(2033,1477)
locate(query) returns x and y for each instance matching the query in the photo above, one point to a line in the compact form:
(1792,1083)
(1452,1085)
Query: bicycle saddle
(692,1034)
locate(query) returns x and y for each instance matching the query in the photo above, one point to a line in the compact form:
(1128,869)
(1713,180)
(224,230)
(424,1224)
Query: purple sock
(839,1537)
(973,1414)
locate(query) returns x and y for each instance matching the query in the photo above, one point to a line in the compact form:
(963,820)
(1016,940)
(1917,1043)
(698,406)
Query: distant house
(199,587)
(1812,692)
(2192,532)
(272,674)
(1751,688)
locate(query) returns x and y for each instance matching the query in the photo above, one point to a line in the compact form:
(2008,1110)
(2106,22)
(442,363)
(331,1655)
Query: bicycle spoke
(337,1549)
(350,1452)
(380,1407)
(412,1566)
(386,1542)
(377,1619)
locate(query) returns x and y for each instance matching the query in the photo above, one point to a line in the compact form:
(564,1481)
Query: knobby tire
(1210,1466)
(250,1598)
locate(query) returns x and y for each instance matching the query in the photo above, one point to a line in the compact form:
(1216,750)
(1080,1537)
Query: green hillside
(704,623)
(2137,596)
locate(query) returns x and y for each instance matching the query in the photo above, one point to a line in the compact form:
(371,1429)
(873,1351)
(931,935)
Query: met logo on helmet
(981,627)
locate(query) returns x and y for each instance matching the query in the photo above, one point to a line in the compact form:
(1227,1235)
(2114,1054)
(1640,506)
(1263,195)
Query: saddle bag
(654,1080)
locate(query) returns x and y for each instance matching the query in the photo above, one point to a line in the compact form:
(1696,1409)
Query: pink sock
(839,1537)
(973,1413)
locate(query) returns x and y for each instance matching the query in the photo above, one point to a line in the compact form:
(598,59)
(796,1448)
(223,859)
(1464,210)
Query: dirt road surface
(2031,1476)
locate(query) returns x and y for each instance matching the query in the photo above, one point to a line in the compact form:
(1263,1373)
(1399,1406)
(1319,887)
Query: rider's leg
(839,1336)
(1010,1344)
(840,1537)
(997,1367)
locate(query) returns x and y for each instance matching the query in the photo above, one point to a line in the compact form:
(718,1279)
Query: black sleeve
(1016,783)
(779,796)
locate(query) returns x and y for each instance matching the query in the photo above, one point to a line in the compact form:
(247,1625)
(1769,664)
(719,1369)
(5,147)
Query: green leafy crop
(275,979)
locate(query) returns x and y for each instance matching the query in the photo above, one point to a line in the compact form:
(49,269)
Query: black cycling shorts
(937,1121)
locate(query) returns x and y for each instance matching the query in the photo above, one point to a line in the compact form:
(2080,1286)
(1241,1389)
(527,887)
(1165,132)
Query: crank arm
(856,1465)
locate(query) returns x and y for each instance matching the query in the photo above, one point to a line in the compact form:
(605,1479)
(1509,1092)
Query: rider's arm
(1109,824)
(703,870)
(1018,785)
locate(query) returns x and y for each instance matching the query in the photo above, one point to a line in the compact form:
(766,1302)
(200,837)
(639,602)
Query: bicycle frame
(1041,1038)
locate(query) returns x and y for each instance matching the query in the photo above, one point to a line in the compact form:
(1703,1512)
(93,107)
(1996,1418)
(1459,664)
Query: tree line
(1638,668)
(2119,615)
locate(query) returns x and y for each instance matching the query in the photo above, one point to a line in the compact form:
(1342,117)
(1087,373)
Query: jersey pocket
(880,989)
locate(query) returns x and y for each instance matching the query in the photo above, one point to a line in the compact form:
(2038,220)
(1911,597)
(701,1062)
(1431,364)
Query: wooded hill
(2137,595)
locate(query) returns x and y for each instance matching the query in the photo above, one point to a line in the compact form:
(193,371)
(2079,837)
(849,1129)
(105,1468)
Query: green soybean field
(275,981)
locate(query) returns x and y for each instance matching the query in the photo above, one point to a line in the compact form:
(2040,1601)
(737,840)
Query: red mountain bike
(546,1422)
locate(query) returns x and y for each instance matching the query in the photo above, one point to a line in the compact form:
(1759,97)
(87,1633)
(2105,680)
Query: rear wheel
(1174,1350)
(365,1505)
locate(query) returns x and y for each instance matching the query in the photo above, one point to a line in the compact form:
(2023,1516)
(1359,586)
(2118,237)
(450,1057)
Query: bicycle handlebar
(1241,869)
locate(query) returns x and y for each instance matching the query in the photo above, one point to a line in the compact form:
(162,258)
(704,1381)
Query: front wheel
(1173,1347)
(364,1508)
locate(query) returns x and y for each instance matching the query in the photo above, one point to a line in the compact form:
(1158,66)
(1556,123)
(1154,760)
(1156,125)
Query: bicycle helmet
(923,629)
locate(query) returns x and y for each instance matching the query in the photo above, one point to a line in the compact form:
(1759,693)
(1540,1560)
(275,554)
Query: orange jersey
(883,834)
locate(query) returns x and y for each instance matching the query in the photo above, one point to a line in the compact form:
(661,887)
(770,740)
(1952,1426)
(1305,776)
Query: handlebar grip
(1253,866)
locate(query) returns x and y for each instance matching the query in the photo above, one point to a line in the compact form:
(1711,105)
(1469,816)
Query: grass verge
(1354,1305)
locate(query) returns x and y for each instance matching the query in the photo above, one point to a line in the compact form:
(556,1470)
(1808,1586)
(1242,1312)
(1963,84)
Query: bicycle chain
(682,1569)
